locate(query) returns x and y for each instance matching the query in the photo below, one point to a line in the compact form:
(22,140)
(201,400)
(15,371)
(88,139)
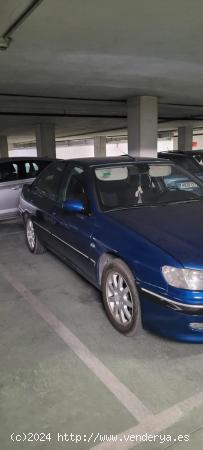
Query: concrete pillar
(3,147)
(142,126)
(185,135)
(175,143)
(45,140)
(100,146)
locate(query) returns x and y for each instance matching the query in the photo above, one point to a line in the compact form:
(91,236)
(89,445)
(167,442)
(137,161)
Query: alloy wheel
(31,238)
(119,298)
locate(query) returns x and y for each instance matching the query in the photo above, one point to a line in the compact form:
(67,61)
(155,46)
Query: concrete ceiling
(100,50)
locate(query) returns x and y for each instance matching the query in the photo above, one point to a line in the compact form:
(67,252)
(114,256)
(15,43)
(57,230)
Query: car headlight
(183,278)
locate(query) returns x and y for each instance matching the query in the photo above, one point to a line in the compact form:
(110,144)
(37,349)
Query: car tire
(32,240)
(120,298)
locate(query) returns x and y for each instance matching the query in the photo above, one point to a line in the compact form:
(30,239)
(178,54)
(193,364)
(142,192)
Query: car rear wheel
(33,243)
(120,298)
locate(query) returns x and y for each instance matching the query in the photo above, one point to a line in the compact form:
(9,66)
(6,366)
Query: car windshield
(145,184)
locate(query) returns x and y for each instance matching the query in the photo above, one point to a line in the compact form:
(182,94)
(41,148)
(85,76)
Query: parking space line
(127,398)
(154,424)
(189,403)
(3,235)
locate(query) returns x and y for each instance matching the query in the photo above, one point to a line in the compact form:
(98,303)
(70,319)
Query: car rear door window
(49,182)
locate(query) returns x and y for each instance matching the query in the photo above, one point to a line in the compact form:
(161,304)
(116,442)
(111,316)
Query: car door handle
(15,188)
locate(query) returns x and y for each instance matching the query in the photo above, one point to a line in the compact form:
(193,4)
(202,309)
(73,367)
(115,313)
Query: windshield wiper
(154,205)
(141,205)
(174,202)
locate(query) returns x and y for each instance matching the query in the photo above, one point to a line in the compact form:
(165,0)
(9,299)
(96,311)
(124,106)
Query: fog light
(196,326)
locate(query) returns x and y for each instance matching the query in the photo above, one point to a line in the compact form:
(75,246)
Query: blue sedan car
(120,225)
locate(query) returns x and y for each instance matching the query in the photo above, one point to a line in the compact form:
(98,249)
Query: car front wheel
(120,298)
(33,243)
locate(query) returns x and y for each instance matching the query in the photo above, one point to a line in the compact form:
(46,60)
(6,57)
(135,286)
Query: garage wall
(82,151)
(74,151)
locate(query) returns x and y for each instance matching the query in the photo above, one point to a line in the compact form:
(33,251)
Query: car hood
(175,228)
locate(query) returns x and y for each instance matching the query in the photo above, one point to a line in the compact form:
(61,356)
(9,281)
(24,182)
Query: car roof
(191,152)
(25,158)
(174,155)
(94,161)
(180,154)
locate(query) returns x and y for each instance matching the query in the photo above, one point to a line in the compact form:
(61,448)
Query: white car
(14,172)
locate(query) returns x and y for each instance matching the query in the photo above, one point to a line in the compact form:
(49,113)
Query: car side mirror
(74,206)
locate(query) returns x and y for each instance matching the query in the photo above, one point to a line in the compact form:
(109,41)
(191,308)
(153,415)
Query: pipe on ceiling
(6,38)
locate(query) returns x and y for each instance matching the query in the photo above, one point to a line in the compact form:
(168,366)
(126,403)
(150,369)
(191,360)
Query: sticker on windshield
(112,173)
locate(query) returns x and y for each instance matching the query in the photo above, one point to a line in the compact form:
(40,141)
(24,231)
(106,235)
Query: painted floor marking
(154,424)
(127,398)
(3,235)
(149,423)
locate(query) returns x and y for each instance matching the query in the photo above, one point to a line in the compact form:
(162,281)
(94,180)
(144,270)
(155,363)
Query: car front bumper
(171,318)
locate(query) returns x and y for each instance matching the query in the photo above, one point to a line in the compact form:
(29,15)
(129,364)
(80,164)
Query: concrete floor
(104,383)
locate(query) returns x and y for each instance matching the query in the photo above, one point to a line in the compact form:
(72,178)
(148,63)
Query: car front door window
(75,187)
